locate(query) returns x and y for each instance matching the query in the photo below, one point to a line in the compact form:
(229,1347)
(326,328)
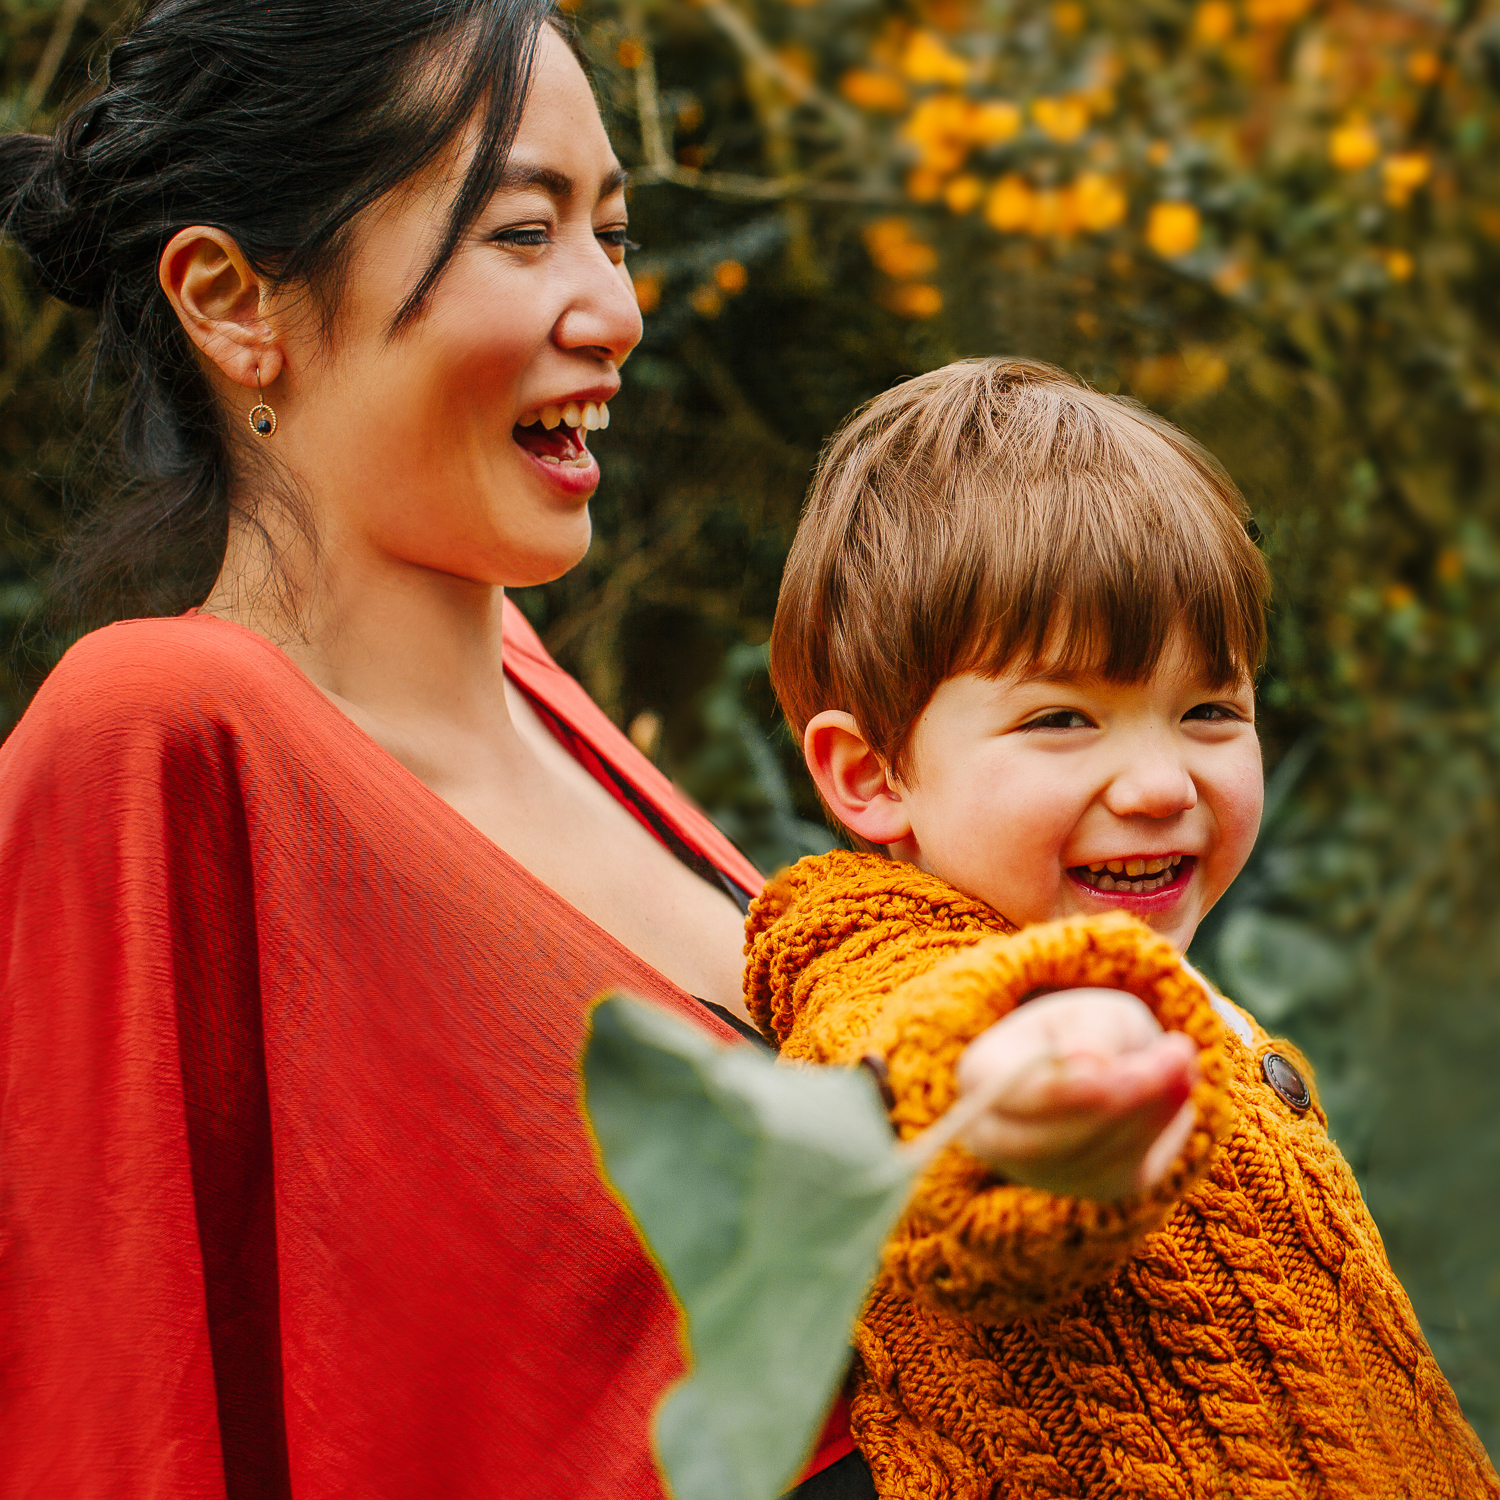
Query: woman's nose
(602,315)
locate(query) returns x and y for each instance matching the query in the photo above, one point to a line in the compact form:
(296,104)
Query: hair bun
(36,211)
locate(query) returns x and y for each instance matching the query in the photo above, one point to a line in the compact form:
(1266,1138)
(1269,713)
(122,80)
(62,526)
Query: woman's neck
(400,644)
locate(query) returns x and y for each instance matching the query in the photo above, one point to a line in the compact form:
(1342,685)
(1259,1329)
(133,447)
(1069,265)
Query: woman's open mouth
(1136,877)
(559,434)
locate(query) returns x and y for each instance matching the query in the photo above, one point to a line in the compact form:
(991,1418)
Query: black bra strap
(698,863)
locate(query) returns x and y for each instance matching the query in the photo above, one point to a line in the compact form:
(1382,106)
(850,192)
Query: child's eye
(1213,713)
(617,239)
(1061,718)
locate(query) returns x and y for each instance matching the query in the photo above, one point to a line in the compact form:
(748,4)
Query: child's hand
(1096,1105)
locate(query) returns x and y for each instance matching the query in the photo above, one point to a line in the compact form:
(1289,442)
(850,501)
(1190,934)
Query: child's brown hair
(999,508)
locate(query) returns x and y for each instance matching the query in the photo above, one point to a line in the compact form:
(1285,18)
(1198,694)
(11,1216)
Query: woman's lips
(1163,896)
(561,455)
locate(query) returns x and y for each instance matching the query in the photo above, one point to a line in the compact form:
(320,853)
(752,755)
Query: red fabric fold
(295,1193)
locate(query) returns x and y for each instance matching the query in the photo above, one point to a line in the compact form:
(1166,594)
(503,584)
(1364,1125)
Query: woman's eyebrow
(555,184)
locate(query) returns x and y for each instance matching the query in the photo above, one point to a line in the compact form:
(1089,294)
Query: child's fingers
(1168,1146)
(1091,1085)
(1098,1129)
(1098,1021)
(1074,1152)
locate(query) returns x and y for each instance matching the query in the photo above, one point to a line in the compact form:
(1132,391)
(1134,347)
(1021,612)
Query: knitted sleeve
(917,993)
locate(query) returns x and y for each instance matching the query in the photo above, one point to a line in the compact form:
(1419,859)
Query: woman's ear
(218,299)
(855,783)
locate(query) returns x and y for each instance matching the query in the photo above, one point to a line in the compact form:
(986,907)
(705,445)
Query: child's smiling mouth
(1142,875)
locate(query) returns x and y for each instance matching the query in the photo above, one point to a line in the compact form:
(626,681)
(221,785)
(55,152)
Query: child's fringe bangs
(996,511)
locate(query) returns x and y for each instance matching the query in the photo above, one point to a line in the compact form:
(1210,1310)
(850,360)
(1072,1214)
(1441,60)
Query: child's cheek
(1238,814)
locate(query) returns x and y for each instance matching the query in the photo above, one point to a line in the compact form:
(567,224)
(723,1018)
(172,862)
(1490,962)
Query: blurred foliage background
(1278,222)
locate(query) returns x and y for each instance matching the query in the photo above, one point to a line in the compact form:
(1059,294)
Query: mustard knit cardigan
(1237,1331)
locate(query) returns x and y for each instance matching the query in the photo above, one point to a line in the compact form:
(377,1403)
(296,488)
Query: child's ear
(855,783)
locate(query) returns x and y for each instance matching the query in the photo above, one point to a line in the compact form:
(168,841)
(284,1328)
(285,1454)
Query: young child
(1018,633)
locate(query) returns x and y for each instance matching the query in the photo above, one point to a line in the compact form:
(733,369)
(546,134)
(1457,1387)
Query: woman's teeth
(590,416)
(1138,876)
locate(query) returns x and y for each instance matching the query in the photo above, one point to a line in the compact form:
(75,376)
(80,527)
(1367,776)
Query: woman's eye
(533,237)
(617,239)
(1062,718)
(1212,713)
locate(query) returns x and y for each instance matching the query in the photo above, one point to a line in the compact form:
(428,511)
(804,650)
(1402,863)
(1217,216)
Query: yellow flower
(1213,22)
(1399,265)
(707,302)
(994,122)
(1011,204)
(730,276)
(1068,17)
(799,62)
(914,299)
(1100,202)
(940,129)
(1054,213)
(896,251)
(1192,375)
(630,53)
(1205,370)
(963,193)
(927,60)
(1450,565)
(1276,12)
(1173,229)
(1100,101)
(1403,173)
(1353,146)
(1064,119)
(1158,153)
(924,185)
(874,91)
(1423,67)
(648,293)
(1399,596)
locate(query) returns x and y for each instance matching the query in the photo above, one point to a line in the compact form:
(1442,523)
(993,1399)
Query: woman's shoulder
(159,680)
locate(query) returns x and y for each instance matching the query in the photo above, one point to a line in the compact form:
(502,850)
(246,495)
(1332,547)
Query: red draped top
(295,1193)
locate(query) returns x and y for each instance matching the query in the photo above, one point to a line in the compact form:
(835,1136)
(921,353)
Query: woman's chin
(547,559)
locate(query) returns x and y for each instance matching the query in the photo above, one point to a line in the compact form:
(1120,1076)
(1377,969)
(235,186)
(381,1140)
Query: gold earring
(262,417)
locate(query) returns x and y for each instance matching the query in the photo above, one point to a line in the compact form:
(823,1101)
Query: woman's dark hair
(278,122)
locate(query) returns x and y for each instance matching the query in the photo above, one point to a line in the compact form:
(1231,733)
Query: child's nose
(1155,784)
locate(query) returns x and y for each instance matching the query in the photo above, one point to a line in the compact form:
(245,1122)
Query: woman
(304,893)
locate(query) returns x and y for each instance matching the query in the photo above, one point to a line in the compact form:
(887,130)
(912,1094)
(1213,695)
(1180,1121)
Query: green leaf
(765,1192)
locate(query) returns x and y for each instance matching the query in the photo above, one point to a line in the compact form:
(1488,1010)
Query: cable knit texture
(1237,1331)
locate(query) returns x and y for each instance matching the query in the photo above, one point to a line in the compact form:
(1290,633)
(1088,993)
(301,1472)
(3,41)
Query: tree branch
(68,16)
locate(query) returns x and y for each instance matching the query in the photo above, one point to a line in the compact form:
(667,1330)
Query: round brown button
(1289,1084)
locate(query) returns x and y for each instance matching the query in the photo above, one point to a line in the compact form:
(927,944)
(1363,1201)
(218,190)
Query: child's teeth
(603,414)
(571,415)
(590,416)
(529,419)
(1135,875)
(551,416)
